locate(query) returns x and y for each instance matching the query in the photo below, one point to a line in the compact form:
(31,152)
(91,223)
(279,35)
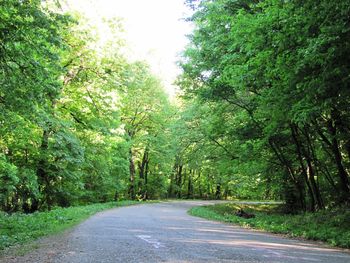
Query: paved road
(164,232)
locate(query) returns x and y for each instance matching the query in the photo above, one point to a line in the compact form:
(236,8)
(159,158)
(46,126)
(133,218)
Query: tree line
(75,114)
(263,111)
(271,82)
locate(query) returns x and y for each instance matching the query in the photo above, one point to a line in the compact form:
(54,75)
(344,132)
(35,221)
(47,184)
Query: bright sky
(155,30)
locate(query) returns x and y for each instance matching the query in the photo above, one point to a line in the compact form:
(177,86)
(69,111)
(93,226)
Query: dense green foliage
(263,112)
(78,120)
(330,226)
(19,228)
(268,82)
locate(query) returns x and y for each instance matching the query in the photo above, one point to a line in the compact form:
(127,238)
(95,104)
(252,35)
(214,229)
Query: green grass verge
(330,226)
(19,228)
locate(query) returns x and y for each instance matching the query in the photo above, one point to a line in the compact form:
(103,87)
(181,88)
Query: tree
(143,106)
(274,65)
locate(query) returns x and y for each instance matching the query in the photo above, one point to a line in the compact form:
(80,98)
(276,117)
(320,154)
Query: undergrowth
(331,226)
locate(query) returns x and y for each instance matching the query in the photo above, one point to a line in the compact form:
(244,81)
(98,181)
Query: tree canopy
(276,75)
(263,111)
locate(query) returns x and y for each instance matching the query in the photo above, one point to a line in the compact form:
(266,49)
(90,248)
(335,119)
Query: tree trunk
(179,181)
(311,158)
(289,170)
(132,176)
(316,190)
(333,149)
(200,185)
(142,173)
(302,165)
(43,177)
(343,175)
(145,193)
(218,191)
(173,180)
(189,185)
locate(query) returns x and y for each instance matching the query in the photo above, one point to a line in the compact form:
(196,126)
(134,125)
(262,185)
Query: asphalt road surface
(164,232)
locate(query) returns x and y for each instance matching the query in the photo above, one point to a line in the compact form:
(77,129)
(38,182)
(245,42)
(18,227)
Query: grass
(19,228)
(330,226)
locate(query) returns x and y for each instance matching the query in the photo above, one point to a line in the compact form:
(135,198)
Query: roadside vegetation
(18,228)
(331,226)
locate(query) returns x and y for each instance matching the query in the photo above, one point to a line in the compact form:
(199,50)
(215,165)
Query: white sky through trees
(154,30)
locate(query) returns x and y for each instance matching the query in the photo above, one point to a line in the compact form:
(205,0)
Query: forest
(262,113)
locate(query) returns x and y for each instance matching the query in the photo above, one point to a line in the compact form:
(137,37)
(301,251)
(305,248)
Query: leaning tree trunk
(342,173)
(304,170)
(292,177)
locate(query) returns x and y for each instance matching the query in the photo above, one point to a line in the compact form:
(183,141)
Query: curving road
(164,232)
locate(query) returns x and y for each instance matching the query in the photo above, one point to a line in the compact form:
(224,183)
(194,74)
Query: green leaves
(264,110)
(265,67)
(31,43)
(8,180)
